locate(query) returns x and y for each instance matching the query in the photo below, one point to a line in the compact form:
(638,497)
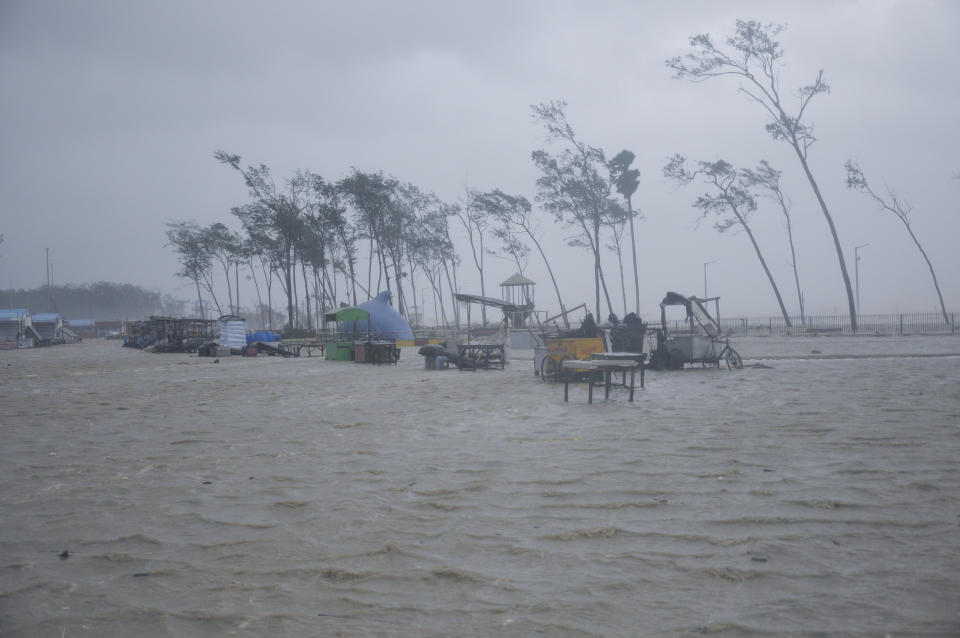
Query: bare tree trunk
(596,264)
(796,274)
(384,271)
(833,231)
(943,308)
(269,275)
(351,267)
(401,298)
(256,285)
(623,283)
(553,279)
(306,292)
(287,268)
(763,262)
(208,286)
(452,284)
(199,297)
(226,275)
(369,270)
(633,250)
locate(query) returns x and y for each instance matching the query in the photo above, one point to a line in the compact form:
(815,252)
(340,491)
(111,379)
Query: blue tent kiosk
(367,331)
(384,322)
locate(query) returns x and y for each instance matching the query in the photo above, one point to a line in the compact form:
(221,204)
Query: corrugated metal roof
(12,314)
(45,317)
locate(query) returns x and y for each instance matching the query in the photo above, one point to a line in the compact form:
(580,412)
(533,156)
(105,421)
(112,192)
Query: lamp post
(856,269)
(705,264)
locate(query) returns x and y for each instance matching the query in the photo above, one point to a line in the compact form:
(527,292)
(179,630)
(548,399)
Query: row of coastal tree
(311,234)
(308,234)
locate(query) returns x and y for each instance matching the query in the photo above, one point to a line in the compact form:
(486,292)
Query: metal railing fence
(915,323)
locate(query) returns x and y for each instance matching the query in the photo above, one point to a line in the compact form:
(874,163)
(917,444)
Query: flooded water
(271,497)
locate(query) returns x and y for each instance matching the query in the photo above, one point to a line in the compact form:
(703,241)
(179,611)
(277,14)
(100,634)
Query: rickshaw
(701,342)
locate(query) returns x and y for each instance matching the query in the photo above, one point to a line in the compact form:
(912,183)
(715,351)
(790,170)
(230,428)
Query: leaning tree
(627,180)
(768,178)
(196,261)
(733,203)
(575,187)
(753,55)
(857,181)
(514,214)
(276,214)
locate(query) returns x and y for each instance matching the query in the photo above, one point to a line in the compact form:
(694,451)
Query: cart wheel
(549,369)
(732,357)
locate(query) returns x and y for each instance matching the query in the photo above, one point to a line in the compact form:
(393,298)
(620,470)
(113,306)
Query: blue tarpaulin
(385,322)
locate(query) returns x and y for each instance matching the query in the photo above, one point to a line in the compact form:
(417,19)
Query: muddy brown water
(304,497)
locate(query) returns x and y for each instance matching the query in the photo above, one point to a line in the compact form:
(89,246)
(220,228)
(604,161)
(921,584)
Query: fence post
(901,325)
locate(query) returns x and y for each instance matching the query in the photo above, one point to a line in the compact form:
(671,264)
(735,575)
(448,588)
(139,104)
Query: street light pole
(856,268)
(705,264)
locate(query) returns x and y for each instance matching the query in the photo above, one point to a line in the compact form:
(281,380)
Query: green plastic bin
(340,351)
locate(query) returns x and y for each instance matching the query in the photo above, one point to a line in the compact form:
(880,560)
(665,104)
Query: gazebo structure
(518,292)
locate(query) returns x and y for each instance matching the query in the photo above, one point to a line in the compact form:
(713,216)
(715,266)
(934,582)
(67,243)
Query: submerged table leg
(633,373)
(590,386)
(606,383)
(566,390)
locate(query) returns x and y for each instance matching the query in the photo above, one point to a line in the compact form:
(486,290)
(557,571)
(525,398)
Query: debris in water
(64,555)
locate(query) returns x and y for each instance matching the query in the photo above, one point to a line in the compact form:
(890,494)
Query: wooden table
(483,355)
(310,347)
(598,370)
(639,357)
(295,347)
(382,352)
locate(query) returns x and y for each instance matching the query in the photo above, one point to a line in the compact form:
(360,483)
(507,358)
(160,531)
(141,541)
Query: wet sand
(819,495)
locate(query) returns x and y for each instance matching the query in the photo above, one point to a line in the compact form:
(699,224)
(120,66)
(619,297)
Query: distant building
(111,328)
(49,326)
(15,326)
(85,328)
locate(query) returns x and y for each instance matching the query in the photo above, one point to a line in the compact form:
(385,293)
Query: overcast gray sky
(111,112)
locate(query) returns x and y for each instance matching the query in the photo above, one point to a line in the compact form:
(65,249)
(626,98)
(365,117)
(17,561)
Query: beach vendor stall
(369,332)
(348,332)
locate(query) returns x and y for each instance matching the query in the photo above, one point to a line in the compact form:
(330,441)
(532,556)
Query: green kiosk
(342,348)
